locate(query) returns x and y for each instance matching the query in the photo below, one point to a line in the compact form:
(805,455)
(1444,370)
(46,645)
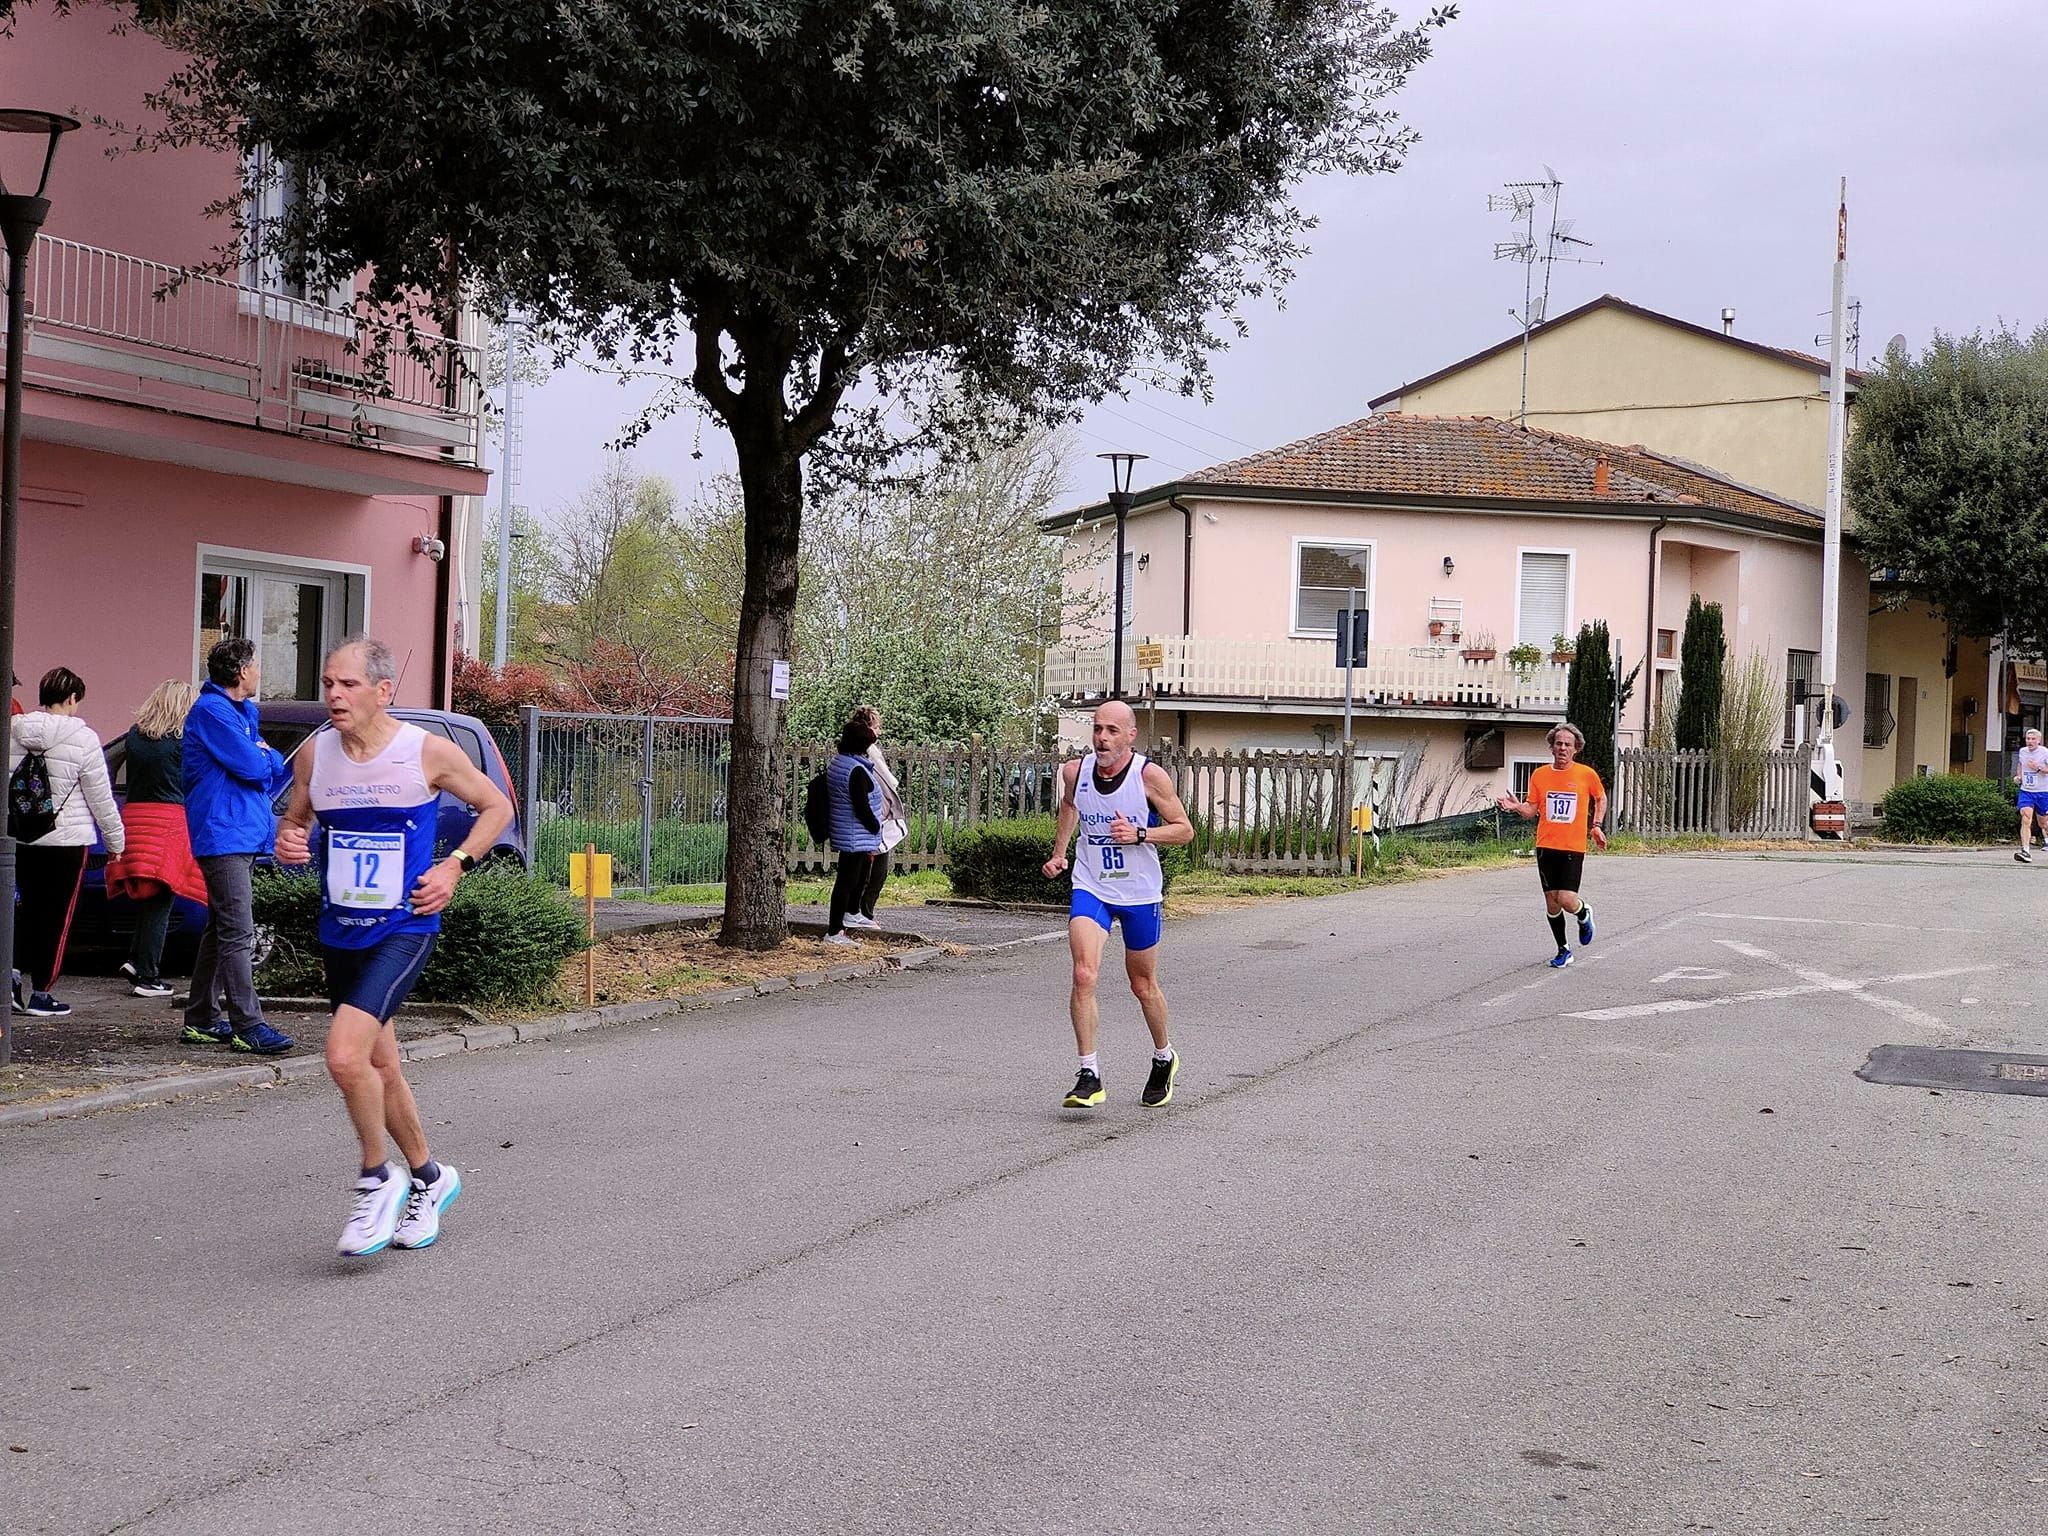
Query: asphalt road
(1432,1240)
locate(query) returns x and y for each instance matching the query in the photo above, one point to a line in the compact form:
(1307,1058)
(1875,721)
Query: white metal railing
(128,328)
(1395,677)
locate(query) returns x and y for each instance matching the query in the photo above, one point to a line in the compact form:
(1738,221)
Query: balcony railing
(1420,678)
(121,327)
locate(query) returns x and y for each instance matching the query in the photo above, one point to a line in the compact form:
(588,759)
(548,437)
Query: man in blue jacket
(231,778)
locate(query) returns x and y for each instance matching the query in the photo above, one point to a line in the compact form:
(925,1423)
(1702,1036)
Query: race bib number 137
(1561,805)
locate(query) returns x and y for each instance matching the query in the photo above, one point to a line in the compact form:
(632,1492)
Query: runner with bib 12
(1569,802)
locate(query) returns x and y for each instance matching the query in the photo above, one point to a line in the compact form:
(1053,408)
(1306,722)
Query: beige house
(1465,537)
(1758,414)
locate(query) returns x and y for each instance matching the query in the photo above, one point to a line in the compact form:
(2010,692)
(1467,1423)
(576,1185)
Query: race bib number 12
(1561,805)
(366,870)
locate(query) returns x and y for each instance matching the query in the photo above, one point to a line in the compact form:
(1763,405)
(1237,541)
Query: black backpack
(818,808)
(31,803)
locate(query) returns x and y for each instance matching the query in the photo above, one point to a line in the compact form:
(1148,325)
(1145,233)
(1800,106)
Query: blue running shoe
(1585,928)
(262,1040)
(219,1032)
(1560,960)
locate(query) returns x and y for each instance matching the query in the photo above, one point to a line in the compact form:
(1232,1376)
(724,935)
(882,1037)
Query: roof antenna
(1518,200)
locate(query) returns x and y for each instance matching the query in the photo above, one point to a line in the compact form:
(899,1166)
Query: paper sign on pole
(580,870)
(1151,656)
(778,680)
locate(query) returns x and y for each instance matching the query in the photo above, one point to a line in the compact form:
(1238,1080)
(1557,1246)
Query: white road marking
(1952,970)
(1687,973)
(1834,922)
(1508,997)
(1823,981)
(1694,1004)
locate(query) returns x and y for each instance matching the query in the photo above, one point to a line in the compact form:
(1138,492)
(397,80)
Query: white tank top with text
(1126,874)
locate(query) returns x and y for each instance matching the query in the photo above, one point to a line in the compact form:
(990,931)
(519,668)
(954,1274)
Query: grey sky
(1700,147)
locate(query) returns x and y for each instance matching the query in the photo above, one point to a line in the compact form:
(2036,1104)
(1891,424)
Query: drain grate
(1927,1066)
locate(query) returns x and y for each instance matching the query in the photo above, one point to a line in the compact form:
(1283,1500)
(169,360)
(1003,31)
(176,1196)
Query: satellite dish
(1896,344)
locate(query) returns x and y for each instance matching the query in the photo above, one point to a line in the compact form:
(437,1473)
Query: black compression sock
(427,1172)
(379,1173)
(1557,928)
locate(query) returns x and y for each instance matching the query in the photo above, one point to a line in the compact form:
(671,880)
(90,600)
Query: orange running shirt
(1564,801)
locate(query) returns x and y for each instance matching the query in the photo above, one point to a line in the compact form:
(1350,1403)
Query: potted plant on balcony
(1525,656)
(1481,648)
(1436,629)
(1562,649)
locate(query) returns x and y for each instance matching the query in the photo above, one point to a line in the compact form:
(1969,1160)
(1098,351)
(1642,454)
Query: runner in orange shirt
(1569,802)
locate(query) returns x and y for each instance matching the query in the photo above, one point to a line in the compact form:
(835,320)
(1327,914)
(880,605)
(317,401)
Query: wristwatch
(464,860)
(1141,834)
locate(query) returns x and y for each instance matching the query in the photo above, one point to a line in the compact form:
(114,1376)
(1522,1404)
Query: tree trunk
(771,481)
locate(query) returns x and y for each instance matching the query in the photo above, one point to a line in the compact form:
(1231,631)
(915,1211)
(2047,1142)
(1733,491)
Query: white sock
(1163,1055)
(1088,1064)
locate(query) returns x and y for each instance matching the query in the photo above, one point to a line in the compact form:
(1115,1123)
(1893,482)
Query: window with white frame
(1130,591)
(295,614)
(1524,767)
(1325,575)
(276,189)
(1543,606)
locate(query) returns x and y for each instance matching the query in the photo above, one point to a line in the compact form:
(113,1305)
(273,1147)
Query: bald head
(1115,732)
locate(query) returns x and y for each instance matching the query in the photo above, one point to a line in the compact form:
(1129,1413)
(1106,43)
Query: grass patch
(911,890)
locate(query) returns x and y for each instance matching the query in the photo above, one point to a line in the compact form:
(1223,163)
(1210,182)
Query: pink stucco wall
(109,561)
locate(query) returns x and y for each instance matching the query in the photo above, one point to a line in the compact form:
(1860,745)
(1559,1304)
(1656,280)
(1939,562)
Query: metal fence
(1722,794)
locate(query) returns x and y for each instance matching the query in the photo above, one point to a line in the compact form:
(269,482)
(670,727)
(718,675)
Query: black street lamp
(21,215)
(1120,467)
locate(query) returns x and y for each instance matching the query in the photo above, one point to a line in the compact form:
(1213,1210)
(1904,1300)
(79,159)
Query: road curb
(474,1035)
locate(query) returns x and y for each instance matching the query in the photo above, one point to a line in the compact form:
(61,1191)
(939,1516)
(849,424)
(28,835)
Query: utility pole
(509,424)
(1826,786)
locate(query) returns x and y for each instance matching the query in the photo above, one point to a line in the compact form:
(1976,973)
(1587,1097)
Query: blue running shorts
(378,977)
(2035,800)
(1141,924)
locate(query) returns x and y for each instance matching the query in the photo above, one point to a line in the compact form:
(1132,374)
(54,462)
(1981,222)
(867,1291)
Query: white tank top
(1122,875)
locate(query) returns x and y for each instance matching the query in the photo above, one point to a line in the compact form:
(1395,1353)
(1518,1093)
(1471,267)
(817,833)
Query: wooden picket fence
(1724,794)
(1254,812)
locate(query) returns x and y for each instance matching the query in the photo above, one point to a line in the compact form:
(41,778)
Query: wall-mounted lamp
(1450,565)
(1145,559)
(434,549)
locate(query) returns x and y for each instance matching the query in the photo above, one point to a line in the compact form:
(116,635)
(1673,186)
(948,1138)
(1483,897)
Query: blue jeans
(224,971)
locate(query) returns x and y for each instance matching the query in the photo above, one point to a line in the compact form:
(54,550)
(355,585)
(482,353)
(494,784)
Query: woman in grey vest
(856,822)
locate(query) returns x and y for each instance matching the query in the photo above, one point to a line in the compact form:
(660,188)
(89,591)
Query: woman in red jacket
(157,866)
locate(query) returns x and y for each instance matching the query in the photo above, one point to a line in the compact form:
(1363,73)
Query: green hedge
(1950,808)
(684,852)
(1000,861)
(503,939)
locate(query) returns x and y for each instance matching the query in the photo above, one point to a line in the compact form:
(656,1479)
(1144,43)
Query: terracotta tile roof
(1479,458)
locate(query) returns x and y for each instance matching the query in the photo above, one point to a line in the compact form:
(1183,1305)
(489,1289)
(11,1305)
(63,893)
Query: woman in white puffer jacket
(50,870)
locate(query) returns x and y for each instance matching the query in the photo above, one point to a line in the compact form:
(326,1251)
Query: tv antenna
(1520,200)
(1855,337)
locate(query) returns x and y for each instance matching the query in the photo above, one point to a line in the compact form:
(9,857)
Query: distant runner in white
(2032,778)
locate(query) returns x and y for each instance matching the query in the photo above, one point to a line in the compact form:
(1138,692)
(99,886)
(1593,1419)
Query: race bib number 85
(366,870)
(1561,805)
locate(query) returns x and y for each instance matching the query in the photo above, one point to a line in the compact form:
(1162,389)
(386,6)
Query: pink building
(205,456)
(1466,538)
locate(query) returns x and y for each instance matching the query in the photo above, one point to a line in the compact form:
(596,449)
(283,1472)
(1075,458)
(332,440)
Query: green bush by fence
(684,852)
(1002,861)
(1950,808)
(503,939)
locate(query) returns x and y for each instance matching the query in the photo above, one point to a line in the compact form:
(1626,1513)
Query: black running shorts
(1559,870)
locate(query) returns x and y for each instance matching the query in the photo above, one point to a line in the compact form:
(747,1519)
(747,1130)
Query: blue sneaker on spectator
(262,1040)
(43,1006)
(219,1032)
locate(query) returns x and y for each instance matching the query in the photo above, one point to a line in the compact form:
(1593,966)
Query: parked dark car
(104,929)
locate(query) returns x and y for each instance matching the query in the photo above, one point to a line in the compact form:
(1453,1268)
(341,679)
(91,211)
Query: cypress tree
(1589,698)
(1700,661)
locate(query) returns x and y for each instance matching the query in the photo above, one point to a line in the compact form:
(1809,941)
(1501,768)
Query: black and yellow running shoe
(1087,1092)
(1159,1086)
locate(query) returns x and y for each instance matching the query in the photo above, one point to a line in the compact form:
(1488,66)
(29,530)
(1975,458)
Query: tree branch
(708,377)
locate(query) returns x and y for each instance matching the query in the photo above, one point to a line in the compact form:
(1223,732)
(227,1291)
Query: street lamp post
(1120,467)
(21,215)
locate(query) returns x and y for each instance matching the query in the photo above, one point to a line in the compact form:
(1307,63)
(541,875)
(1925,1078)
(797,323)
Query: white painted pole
(1826,776)
(508,423)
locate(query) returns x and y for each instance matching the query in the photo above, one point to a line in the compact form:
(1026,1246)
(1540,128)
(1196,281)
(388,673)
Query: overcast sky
(1700,147)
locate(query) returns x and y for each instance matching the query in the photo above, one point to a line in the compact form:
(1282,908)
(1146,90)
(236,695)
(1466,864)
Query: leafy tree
(1948,475)
(1701,655)
(816,203)
(534,576)
(1589,698)
(495,697)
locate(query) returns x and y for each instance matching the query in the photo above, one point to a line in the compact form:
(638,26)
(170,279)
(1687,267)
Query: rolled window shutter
(1546,586)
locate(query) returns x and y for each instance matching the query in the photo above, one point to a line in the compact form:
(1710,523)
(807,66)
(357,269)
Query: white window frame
(1372,576)
(229,560)
(1571,589)
(263,278)
(1518,782)
(1130,574)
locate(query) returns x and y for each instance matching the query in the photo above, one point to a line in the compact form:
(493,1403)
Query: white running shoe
(842,940)
(373,1213)
(421,1223)
(860,920)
